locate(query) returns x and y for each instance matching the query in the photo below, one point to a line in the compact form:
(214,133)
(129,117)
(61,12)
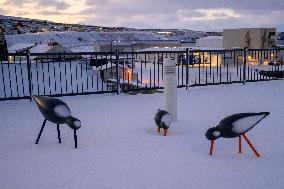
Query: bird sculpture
(56,111)
(163,120)
(235,125)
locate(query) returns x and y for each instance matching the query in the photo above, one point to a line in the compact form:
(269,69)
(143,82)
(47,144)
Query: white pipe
(170,87)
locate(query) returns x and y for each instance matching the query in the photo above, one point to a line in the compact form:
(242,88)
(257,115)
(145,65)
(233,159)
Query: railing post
(187,64)
(29,73)
(117,72)
(245,63)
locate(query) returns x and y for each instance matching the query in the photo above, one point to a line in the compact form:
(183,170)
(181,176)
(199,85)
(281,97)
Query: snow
(118,146)
(245,123)
(40,48)
(19,46)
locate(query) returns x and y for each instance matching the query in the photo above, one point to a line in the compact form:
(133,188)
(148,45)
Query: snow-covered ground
(120,148)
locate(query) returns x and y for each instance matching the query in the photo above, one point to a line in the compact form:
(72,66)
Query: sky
(205,15)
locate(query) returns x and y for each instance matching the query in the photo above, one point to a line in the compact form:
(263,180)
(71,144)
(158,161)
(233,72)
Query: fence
(59,74)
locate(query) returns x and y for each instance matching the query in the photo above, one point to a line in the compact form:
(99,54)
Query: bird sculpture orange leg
(165,132)
(159,130)
(240,144)
(211,147)
(250,145)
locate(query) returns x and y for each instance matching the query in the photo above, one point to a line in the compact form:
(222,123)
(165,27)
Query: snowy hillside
(70,39)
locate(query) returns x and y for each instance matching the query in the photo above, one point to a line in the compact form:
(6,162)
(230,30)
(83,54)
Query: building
(108,73)
(131,46)
(207,56)
(252,38)
(210,42)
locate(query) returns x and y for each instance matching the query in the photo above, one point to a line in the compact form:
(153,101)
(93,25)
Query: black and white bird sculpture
(235,125)
(163,120)
(56,111)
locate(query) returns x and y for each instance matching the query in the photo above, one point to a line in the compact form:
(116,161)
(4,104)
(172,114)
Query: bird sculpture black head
(235,125)
(213,133)
(163,120)
(56,111)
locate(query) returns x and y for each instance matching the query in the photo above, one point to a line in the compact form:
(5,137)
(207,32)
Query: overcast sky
(206,15)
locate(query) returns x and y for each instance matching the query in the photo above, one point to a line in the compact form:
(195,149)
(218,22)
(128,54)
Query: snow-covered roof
(211,37)
(40,48)
(73,40)
(83,49)
(19,46)
(178,49)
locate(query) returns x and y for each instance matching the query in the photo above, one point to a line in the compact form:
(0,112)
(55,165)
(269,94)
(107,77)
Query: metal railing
(59,74)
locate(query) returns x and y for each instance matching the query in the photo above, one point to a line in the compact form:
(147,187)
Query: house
(126,76)
(109,72)
(56,51)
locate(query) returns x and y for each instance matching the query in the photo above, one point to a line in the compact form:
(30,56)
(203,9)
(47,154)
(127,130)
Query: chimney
(52,43)
(3,45)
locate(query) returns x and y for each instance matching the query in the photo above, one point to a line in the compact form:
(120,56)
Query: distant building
(131,46)
(210,42)
(253,38)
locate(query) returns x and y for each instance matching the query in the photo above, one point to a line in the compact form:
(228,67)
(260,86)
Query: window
(271,35)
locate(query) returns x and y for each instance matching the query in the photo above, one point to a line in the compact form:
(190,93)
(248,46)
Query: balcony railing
(58,74)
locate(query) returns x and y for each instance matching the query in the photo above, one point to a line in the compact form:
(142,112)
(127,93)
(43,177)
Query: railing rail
(58,74)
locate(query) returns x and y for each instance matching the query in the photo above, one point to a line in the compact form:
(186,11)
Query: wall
(254,38)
